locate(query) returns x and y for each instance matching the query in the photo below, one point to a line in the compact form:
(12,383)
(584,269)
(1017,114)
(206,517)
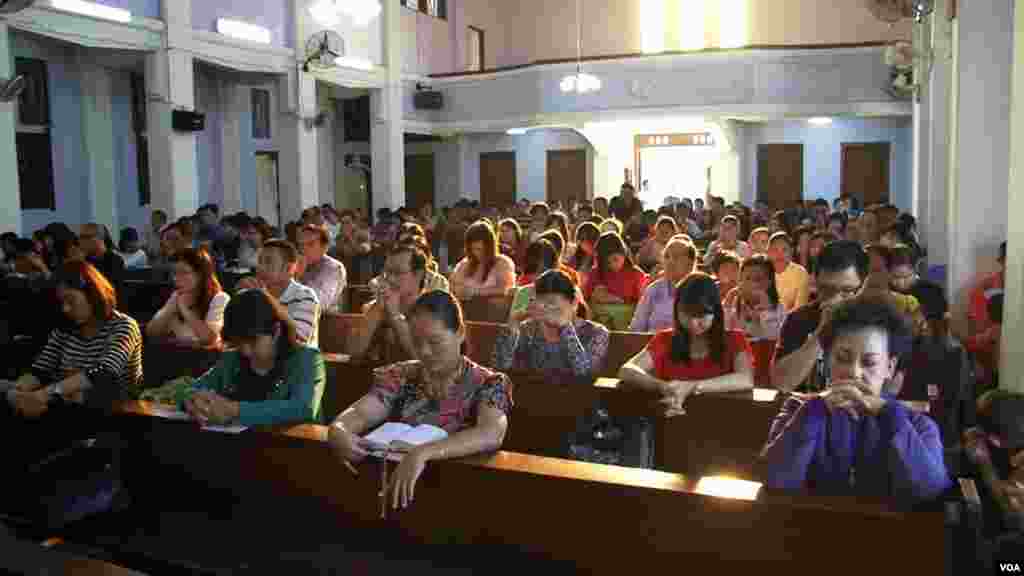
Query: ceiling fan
(323,49)
(12,6)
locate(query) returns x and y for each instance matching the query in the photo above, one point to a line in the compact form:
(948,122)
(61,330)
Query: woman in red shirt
(615,279)
(696,356)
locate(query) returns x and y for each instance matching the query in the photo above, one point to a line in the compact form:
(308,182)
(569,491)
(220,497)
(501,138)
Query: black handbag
(75,483)
(601,438)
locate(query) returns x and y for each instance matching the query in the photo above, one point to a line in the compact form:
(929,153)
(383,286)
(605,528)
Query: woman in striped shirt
(86,366)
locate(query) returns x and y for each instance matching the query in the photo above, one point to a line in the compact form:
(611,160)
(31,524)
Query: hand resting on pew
(697,356)
(475,399)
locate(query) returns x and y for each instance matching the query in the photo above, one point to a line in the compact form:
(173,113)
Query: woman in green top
(269,378)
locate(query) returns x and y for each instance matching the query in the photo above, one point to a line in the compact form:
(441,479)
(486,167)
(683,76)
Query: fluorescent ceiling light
(820,121)
(580,83)
(243,30)
(725,487)
(353,62)
(93,9)
(325,13)
(517,131)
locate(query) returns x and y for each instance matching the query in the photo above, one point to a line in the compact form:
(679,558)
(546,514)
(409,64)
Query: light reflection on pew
(605,519)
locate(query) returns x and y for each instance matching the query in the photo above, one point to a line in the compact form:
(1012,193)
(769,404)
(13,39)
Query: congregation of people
(828,304)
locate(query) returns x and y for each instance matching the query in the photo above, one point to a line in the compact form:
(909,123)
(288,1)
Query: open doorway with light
(671,167)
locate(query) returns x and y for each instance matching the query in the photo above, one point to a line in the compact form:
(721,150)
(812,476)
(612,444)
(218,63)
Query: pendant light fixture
(580,82)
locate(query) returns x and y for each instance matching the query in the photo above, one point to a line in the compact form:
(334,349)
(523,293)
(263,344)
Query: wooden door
(419,181)
(865,172)
(780,175)
(497,179)
(567,176)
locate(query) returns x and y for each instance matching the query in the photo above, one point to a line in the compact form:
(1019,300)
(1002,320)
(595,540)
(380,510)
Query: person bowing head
(475,399)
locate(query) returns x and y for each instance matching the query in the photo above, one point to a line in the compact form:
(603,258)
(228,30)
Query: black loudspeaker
(187,121)
(428,100)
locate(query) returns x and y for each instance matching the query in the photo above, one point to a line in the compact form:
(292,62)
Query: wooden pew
(164,360)
(357,296)
(336,330)
(494,310)
(142,300)
(603,519)
(23,557)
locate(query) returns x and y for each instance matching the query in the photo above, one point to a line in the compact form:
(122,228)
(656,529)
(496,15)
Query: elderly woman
(697,355)
(549,336)
(655,310)
(271,376)
(442,387)
(483,271)
(854,438)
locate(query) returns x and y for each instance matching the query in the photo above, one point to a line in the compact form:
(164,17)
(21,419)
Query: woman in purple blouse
(655,311)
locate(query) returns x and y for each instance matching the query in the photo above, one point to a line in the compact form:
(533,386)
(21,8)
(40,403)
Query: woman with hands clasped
(754,307)
(195,311)
(698,355)
(442,388)
(548,335)
(855,439)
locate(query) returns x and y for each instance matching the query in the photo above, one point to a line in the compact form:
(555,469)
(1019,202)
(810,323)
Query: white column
(10,195)
(299,152)
(174,181)
(98,143)
(232,105)
(325,142)
(936,150)
(386,138)
(977,216)
(1011,372)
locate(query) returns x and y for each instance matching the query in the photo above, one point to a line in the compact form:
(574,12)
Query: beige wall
(530,30)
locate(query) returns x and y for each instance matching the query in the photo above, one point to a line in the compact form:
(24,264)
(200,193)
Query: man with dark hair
(904,279)
(278,263)
(841,270)
(625,204)
(325,275)
(837,224)
(539,212)
(728,239)
(108,262)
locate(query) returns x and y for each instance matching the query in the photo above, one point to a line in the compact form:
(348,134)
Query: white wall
(823,156)
(531,159)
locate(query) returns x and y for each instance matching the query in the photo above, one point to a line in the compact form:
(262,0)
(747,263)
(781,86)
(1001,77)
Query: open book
(400,437)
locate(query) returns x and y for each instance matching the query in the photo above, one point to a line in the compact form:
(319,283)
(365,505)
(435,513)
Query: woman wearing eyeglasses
(698,355)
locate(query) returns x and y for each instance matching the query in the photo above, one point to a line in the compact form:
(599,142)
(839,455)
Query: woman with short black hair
(549,336)
(441,387)
(855,438)
(269,378)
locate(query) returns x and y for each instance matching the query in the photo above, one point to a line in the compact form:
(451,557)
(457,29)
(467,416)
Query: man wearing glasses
(386,332)
(798,363)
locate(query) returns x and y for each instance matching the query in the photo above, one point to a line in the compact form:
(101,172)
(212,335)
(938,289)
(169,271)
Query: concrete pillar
(386,139)
(1011,373)
(977,216)
(328,161)
(299,152)
(232,105)
(937,142)
(10,194)
(921,138)
(174,180)
(98,144)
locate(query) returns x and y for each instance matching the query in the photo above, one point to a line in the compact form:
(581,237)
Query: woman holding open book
(457,406)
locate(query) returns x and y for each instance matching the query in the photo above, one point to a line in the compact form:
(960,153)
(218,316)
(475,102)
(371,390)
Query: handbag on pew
(601,438)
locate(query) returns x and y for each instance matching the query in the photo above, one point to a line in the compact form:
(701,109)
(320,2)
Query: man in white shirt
(791,279)
(278,263)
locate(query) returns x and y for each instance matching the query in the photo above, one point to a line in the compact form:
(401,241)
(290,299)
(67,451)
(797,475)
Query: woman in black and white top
(86,366)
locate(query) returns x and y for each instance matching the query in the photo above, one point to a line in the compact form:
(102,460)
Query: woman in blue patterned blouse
(552,337)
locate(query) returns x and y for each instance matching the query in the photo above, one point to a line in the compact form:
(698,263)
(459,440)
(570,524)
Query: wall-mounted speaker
(188,121)
(428,100)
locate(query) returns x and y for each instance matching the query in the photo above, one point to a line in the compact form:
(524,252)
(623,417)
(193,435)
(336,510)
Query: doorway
(419,181)
(497,179)
(268,188)
(865,172)
(780,175)
(567,176)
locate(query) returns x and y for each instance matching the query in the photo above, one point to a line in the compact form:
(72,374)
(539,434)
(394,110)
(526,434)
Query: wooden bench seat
(604,519)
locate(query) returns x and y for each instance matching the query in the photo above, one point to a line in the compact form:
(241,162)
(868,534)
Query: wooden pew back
(164,360)
(604,519)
